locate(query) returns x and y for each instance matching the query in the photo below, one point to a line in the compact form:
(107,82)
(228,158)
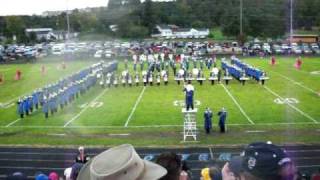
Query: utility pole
(241,18)
(68,22)
(291,20)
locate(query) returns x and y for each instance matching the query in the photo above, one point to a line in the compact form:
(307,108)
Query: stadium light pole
(291,20)
(68,21)
(241,18)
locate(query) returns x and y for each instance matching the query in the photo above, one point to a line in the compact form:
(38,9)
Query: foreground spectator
(120,163)
(17,176)
(42,176)
(172,162)
(212,173)
(67,173)
(53,176)
(185,173)
(316,176)
(75,169)
(260,161)
(82,157)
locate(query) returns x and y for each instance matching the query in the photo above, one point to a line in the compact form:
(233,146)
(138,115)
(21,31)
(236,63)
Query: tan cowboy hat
(120,163)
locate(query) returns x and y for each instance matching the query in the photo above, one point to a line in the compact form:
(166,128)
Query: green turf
(153,119)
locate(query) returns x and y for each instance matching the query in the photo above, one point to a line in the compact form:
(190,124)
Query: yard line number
(286,101)
(182,103)
(95,104)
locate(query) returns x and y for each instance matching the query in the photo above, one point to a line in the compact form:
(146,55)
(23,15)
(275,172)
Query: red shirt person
(298,63)
(1,78)
(273,61)
(18,75)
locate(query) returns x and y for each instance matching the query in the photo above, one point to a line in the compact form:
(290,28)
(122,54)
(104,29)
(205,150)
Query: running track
(32,160)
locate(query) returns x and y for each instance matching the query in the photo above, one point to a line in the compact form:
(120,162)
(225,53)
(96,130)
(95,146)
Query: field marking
(238,105)
(10,124)
(296,83)
(155,126)
(84,109)
(292,106)
(255,131)
(135,106)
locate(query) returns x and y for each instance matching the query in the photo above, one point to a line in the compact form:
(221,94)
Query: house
(304,38)
(164,31)
(202,33)
(183,33)
(41,33)
(172,31)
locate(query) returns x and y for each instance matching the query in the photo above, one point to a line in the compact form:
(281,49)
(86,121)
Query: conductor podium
(189,123)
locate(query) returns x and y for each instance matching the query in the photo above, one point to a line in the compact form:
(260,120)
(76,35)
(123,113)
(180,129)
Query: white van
(58,49)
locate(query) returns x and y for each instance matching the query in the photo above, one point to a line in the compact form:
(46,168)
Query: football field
(285,110)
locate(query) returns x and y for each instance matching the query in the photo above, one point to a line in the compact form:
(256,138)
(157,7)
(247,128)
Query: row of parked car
(109,49)
(284,48)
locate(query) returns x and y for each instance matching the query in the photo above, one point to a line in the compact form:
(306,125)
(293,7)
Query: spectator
(316,176)
(172,162)
(185,172)
(67,173)
(17,176)
(75,169)
(212,173)
(53,176)
(260,161)
(119,163)
(82,157)
(42,176)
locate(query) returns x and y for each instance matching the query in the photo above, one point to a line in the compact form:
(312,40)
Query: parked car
(306,49)
(266,48)
(98,54)
(108,53)
(58,49)
(315,48)
(296,50)
(277,49)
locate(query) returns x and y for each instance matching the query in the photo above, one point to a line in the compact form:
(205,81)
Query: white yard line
(255,131)
(10,124)
(134,107)
(295,82)
(292,106)
(84,109)
(238,105)
(155,126)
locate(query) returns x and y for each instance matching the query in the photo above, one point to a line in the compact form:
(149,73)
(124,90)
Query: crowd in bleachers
(258,161)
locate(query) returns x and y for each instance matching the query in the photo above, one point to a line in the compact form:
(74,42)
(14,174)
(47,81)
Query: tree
(15,26)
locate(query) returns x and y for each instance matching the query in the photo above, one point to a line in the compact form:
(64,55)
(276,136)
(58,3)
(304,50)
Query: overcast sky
(29,7)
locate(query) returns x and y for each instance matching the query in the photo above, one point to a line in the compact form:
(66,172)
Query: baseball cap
(263,160)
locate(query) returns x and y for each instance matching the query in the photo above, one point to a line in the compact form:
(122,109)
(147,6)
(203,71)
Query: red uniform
(18,75)
(1,78)
(273,60)
(298,63)
(178,58)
